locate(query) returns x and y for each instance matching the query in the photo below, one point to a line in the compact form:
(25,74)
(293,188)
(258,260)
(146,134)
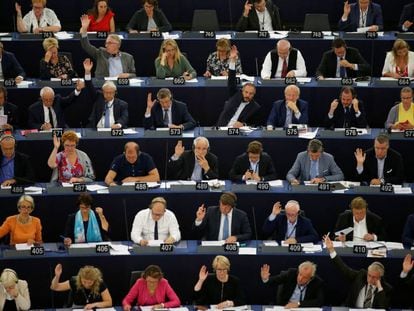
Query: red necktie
(284,69)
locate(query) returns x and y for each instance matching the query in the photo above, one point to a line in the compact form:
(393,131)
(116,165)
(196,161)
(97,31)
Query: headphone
(7,135)
(9,271)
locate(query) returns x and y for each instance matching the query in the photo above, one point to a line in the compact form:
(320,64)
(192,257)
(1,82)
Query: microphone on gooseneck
(256,236)
(128,234)
(166,164)
(257,66)
(198,128)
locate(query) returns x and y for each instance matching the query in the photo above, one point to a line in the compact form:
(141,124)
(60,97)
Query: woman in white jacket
(399,62)
(14,293)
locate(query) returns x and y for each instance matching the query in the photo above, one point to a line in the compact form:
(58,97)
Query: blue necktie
(313,170)
(226,227)
(342,70)
(166,119)
(107,116)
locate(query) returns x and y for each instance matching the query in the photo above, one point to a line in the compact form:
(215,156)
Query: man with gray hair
(314,165)
(299,287)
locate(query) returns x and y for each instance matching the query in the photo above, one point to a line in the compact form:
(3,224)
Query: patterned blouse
(66,170)
(63,66)
(216,66)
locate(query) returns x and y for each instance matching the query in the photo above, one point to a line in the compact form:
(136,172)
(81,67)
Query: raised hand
(408,263)
(347,9)
(84,22)
(355,104)
(265,272)
(202,275)
(87,65)
(18,8)
(58,270)
(334,105)
(99,211)
(179,148)
(150,102)
(277,208)
(201,213)
(359,156)
(247,7)
(56,142)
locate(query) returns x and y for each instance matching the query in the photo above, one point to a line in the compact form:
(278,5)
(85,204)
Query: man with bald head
(132,165)
(259,15)
(289,226)
(284,61)
(299,287)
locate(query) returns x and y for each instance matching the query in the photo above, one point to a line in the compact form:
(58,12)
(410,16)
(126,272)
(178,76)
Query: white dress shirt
(101,123)
(48,18)
(267,67)
(230,217)
(265,20)
(237,114)
(46,115)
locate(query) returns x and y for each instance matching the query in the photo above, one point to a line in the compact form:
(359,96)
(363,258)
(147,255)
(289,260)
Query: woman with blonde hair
(218,61)
(399,62)
(14,293)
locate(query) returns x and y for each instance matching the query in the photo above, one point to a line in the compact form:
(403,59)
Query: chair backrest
(205,20)
(135,275)
(316,22)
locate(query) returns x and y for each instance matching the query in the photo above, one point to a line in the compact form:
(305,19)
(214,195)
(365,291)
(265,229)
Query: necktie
(313,170)
(342,70)
(368,297)
(301,289)
(347,118)
(226,227)
(166,119)
(284,68)
(51,117)
(156,231)
(107,116)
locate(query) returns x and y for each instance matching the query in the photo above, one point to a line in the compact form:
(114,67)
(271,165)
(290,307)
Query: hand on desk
(231,239)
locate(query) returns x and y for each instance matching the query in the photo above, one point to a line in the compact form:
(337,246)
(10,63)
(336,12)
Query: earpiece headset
(10,271)
(6,136)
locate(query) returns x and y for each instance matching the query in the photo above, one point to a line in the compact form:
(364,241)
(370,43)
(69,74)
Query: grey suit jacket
(327,168)
(100,55)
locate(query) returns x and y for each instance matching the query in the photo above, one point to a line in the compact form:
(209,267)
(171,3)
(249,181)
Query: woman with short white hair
(14,293)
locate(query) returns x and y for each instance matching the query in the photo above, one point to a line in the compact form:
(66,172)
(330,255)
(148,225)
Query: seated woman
(87,288)
(219,289)
(55,65)
(39,19)
(171,63)
(14,293)
(70,165)
(101,17)
(218,62)
(399,62)
(401,116)
(86,225)
(22,227)
(151,290)
(149,18)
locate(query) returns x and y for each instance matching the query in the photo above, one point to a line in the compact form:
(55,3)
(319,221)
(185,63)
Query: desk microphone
(256,236)
(166,164)
(126,223)
(257,67)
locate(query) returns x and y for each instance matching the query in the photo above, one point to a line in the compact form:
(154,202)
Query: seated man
(290,110)
(165,111)
(132,165)
(299,287)
(195,164)
(380,164)
(366,225)
(367,288)
(8,110)
(10,66)
(16,167)
(314,165)
(254,164)
(362,14)
(259,15)
(401,116)
(284,61)
(346,112)
(155,223)
(224,222)
(408,233)
(241,108)
(342,62)
(407,18)
(289,227)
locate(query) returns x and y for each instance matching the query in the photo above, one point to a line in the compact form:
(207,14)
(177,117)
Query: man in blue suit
(362,14)
(10,66)
(314,165)
(290,110)
(289,226)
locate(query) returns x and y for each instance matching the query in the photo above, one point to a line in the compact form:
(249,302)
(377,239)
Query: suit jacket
(251,22)
(314,296)
(139,21)
(277,116)
(23,169)
(358,280)
(276,229)
(374,17)
(408,233)
(12,114)
(393,167)
(182,169)
(327,67)
(23,299)
(10,66)
(242,164)
(374,224)
(120,107)
(248,114)
(179,113)
(210,226)
(339,117)
(407,14)
(327,168)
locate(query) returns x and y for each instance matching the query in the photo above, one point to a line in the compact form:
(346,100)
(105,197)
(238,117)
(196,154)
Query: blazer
(276,229)
(182,169)
(209,228)
(374,224)
(287,281)
(248,114)
(251,22)
(374,17)
(23,169)
(70,228)
(389,65)
(277,115)
(327,67)
(338,119)
(179,113)
(100,55)
(120,107)
(23,299)
(358,279)
(11,111)
(327,168)
(139,21)
(393,167)
(242,164)
(10,66)
(407,14)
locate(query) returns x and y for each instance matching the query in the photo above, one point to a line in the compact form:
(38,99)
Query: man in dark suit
(9,110)
(407,18)
(167,112)
(196,164)
(10,66)
(366,225)
(371,17)
(346,112)
(300,287)
(224,222)
(259,15)
(289,227)
(240,108)
(290,110)
(254,164)
(380,164)
(342,62)
(367,288)
(15,166)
